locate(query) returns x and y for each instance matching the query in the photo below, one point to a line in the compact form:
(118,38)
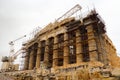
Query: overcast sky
(20,17)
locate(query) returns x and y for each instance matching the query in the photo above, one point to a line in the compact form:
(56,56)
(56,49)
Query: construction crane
(13,55)
(7,64)
(11,43)
(70,12)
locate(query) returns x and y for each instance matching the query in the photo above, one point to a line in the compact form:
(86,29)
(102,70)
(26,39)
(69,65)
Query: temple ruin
(63,48)
(70,49)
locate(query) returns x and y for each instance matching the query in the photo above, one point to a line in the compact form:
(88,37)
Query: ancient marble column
(38,56)
(92,43)
(31,59)
(46,53)
(78,47)
(55,52)
(26,63)
(66,50)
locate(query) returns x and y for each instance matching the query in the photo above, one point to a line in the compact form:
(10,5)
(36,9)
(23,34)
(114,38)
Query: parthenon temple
(71,44)
(73,47)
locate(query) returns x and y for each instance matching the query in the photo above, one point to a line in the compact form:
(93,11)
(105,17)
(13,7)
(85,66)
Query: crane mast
(7,64)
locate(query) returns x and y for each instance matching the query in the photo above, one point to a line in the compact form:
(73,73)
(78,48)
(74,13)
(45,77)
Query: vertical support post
(78,47)
(66,49)
(46,53)
(26,63)
(31,59)
(38,56)
(55,52)
(92,43)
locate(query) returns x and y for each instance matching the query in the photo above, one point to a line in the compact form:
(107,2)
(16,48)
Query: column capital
(39,44)
(89,28)
(55,39)
(47,41)
(27,50)
(77,33)
(65,36)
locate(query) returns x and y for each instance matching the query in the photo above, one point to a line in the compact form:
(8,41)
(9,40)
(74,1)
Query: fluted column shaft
(78,47)
(26,63)
(92,43)
(46,53)
(66,50)
(38,56)
(31,59)
(55,52)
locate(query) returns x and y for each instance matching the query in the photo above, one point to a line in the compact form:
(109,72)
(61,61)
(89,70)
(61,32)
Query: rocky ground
(5,77)
(22,75)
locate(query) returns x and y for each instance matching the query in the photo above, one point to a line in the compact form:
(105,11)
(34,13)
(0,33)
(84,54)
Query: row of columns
(91,43)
